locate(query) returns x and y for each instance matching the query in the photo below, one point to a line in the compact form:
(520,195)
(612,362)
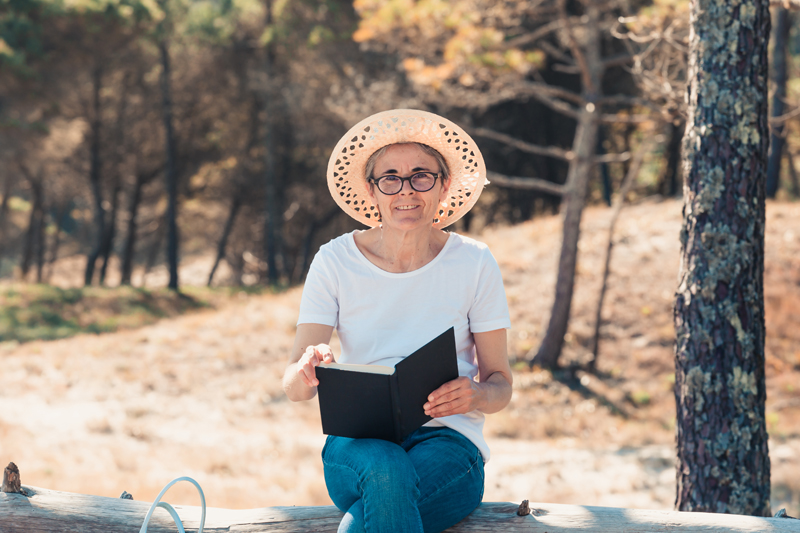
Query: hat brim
(346,167)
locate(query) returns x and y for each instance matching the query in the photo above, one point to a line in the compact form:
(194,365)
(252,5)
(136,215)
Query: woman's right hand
(311,347)
(311,358)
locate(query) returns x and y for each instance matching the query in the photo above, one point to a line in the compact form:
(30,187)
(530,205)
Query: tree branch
(577,53)
(550,151)
(617,60)
(530,184)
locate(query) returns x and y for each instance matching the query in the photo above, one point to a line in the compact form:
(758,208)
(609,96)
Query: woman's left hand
(456,397)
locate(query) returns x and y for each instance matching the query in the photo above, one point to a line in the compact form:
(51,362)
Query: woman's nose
(403,187)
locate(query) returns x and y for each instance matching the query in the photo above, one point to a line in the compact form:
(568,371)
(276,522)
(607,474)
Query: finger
(458,397)
(448,409)
(323,351)
(446,388)
(309,374)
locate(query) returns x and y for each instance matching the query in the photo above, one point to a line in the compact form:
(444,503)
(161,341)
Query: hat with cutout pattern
(346,168)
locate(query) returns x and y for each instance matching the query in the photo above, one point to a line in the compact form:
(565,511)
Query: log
(43,510)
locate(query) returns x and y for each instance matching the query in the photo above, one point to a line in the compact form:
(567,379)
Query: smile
(406,207)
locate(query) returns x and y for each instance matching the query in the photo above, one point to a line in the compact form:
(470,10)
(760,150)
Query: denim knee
(355,468)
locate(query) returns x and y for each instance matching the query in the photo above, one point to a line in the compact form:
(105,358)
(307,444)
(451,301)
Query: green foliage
(33,312)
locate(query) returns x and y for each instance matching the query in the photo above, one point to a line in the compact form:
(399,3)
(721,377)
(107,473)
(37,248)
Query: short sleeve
(320,301)
(489,309)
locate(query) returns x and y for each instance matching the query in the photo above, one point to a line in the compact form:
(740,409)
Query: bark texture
(723,461)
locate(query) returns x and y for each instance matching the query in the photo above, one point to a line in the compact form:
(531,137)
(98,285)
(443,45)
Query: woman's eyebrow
(394,171)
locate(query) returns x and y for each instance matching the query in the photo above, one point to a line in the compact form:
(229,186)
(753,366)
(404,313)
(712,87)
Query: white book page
(369,369)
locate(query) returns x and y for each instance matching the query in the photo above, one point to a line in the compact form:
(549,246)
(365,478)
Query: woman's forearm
(293,385)
(496,392)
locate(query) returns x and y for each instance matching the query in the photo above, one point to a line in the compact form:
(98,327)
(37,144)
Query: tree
(517,51)
(780,73)
(723,462)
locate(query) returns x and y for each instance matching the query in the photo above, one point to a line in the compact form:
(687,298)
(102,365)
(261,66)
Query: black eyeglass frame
(377,182)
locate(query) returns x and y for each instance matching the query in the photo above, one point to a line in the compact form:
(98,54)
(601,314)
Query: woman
(390,289)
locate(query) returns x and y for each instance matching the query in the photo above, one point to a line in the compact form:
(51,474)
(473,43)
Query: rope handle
(171,510)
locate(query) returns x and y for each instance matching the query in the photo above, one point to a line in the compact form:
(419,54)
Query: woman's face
(407,209)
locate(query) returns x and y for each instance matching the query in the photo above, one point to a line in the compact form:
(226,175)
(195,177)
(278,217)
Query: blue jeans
(428,483)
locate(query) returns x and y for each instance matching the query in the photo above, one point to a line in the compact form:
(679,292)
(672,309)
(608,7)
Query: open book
(380,402)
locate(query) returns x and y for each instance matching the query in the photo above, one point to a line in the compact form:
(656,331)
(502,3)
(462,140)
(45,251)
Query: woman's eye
(390,179)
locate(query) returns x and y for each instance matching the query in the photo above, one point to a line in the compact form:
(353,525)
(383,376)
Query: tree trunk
(236,203)
(41,243)
(126,269)
(94,178)
(4,212)
(605,175)
(309,239)
(34,234)
(111,231)
(668,183)
(792,173)
(625,187)
(61,214)
(777,138)
(171,174)
(152,255)
(129,248)
(577,185)
(723,461)
(273,216)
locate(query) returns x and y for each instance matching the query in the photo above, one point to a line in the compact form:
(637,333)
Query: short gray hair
(369,168)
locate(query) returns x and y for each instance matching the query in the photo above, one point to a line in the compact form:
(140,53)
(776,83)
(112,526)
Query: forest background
(146,144)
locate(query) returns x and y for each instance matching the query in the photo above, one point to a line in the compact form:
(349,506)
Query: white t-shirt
(381,317)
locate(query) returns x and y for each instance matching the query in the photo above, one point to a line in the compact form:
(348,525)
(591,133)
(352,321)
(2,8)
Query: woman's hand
(456,397)
(490,395)
(310,349)
(313,357)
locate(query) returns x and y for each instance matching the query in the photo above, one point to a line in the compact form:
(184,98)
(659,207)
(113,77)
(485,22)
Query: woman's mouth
(406,207)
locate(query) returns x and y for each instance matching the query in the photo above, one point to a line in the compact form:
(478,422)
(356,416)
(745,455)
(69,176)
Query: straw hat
(346,177)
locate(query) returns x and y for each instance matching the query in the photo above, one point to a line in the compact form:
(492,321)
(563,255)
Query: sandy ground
(200,395)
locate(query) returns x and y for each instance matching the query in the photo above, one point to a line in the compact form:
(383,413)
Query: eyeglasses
(419,181)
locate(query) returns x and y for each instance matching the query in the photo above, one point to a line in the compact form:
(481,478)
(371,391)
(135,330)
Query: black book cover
(385,406)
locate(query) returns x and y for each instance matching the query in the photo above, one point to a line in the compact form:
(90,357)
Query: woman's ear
(371,193)
(445,190)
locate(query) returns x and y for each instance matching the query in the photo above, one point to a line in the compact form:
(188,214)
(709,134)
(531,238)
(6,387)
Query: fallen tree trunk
(43,510)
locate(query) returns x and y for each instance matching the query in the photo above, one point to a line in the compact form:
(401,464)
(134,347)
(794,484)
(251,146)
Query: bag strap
(171,510)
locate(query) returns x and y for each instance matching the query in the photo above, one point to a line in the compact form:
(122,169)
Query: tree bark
(668,183)
(723,461)
(94,177)
(577,185)
(171,174)
(777,137)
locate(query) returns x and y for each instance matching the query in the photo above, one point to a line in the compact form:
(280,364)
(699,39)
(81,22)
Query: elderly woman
(389,290)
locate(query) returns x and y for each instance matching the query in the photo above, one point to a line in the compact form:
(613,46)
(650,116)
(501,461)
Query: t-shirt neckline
(375,268)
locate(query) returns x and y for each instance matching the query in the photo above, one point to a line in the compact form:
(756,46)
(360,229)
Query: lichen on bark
(719,314)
